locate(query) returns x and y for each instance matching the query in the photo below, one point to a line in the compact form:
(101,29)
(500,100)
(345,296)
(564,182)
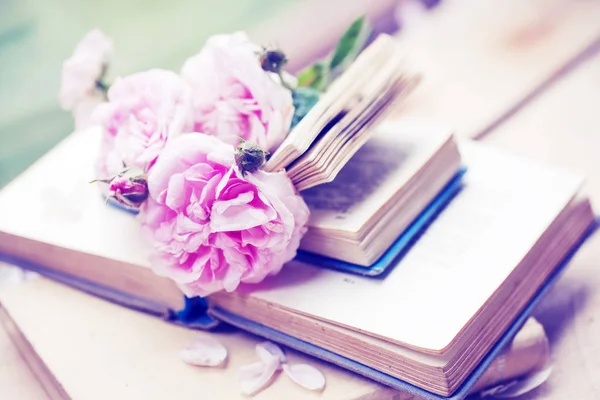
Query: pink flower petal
(237,215)
(143,112)
(255,377)
(305,375)
(267,350)
(234,97)
(81,71)
(214,234)
(204,351)
(176,192)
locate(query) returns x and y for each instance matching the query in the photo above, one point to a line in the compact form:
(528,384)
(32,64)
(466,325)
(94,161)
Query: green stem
(102,85)
(284,83)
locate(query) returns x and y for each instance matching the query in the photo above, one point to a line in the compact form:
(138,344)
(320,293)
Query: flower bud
(130,187)
(249,157)
(273,60)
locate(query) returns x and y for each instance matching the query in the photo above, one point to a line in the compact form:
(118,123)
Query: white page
(375,173)
(452,270)
(54,202)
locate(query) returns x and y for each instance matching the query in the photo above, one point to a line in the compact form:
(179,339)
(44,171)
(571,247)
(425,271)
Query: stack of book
(413,273)
(55,328)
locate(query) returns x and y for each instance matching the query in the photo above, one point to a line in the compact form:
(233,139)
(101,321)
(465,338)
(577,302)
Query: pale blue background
(36,35)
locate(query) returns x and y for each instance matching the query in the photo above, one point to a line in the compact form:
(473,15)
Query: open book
(429,322)
(450,299)
(380,191)
(342,121)
(55,328)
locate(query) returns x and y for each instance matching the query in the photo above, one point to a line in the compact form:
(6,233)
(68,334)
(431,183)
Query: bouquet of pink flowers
(186,151)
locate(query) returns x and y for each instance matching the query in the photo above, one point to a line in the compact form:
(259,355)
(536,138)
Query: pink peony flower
(214,228)
(143,111)
(82,111)
(83,69)
(234,97)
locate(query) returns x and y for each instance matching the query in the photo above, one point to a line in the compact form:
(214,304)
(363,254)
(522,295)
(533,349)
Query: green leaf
(314,76)
(304,100)
(351,43)
(319,75)
(307,76)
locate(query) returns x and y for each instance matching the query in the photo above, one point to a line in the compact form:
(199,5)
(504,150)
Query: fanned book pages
(343,119)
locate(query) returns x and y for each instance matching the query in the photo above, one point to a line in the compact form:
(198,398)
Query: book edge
(378,376)
(51,386)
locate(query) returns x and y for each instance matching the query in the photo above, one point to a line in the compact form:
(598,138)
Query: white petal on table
(266,350)
(306,376)
(11,275)
(204,351)
(255,377)
(251,372)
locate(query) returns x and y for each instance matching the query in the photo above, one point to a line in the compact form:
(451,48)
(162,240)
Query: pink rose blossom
(214,228)
(143,111)
(82,111)
(107,163)
(234,97)
(83,69)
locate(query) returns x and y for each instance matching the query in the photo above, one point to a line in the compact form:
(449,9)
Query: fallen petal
(11,275)
(204,351)
(251,372)
(266,350)
(521,386)
(255,377)
(491,392)
(306,376)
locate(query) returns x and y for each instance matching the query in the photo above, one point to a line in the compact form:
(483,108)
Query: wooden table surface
(560,125)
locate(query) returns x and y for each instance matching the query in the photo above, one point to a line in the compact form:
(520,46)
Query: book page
(452,270)
(343,94)
(374,174)
(54,202)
